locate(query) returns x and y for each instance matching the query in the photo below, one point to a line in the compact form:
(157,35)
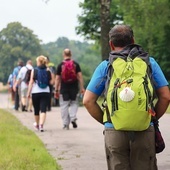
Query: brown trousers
(130,150)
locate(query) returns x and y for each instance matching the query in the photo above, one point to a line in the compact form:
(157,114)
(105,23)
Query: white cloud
(47,20)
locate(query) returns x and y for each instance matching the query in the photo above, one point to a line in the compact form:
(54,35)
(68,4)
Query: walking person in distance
(52,69)
(23,79)
(129,144)
(17,89)
(69,82)
(39,83)
(10,88)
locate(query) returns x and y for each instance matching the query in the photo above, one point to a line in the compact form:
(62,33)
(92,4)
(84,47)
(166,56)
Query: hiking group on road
(135,98)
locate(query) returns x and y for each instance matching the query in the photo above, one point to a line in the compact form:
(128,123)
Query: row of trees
(149,20)
(18,42)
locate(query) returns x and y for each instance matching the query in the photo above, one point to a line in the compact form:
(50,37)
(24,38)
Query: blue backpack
(42,77)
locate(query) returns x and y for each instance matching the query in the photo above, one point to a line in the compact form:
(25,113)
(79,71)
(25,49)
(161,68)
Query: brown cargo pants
(130,150)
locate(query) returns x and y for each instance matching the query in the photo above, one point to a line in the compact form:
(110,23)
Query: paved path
(81,148)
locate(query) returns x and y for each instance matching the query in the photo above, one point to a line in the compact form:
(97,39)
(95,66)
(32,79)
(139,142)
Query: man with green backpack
(130,80)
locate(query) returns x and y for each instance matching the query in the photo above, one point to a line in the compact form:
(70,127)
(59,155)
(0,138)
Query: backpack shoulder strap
(110,70)
(35,73)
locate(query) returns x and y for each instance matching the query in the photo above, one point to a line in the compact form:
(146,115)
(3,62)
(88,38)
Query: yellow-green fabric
(129,115)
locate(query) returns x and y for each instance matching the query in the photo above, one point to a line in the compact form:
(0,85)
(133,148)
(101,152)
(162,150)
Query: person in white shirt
(24,85)
(40,94)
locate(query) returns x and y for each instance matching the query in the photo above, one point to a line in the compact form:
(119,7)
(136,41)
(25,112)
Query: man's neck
(66,58)
(118,49)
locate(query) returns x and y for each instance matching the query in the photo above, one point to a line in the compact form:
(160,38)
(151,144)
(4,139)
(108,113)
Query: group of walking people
(36,94)
(18,87)
(129,80)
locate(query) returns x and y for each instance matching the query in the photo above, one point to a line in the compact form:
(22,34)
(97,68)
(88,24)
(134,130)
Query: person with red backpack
(69,81)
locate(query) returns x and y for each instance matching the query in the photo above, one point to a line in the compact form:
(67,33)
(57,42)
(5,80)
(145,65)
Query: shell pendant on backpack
(127,94)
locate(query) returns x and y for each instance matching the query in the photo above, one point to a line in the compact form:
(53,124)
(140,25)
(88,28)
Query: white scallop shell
(127,94)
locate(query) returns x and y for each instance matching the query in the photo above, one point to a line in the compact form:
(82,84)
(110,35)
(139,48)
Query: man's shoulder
(23,68)
(103,64)
(69,60)
(154,64)
(16,69)
(152,60)
(28,66)
(76,62)
(60,64)
(101,69)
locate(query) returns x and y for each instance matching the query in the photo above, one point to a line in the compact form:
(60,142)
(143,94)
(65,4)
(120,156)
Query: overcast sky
(49,21)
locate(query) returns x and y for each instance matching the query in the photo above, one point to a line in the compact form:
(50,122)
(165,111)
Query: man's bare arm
(163,101)
(81,82)
(90,102)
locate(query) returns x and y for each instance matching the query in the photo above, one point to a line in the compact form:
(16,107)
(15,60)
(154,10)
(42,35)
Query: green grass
(20,148)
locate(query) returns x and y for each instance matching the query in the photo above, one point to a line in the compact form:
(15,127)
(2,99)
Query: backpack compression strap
(132,51)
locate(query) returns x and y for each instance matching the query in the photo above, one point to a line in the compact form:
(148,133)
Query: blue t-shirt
(15,72)
(97,82)
(10,80)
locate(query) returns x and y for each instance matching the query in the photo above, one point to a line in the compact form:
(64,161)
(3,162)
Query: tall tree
(105,27)
(16,42)
(97,17)
(89,20)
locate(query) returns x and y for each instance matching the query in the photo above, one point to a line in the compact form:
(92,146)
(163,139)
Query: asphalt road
(81,148)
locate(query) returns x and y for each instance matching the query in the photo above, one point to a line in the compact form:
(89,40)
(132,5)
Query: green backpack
(130,93)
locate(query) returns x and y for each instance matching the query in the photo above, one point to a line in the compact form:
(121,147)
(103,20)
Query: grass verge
(21,149)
